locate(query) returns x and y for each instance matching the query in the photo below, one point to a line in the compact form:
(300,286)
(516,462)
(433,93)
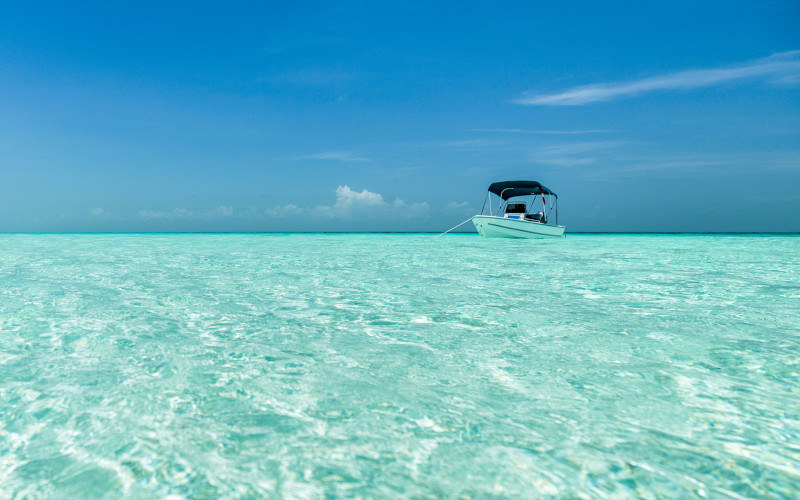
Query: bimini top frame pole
(484,203)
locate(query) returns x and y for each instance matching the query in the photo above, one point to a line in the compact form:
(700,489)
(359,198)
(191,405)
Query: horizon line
(463,233)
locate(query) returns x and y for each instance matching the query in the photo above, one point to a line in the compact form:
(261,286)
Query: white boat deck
(508,227)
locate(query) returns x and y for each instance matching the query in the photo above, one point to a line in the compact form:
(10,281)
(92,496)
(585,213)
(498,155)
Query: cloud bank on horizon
(350,203)
(781,68)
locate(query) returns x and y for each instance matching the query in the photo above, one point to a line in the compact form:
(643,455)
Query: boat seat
(538,217)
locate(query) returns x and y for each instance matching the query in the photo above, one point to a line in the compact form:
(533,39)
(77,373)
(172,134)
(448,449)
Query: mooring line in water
(453,228)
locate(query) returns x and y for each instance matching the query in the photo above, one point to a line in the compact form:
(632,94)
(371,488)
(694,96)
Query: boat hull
(500,227)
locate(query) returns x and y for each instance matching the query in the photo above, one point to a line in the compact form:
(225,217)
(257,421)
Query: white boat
(518,220)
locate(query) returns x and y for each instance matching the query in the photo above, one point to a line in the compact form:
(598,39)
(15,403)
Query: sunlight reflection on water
(395,365)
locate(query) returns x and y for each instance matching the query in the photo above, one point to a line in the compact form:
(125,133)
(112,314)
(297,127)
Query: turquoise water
(306,366)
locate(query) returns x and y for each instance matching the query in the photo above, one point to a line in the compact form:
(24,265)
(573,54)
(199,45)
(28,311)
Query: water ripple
(307,366)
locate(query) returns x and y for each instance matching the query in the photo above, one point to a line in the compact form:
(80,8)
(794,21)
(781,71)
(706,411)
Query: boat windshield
(515,208)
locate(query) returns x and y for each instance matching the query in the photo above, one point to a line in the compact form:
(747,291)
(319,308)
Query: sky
(379,116)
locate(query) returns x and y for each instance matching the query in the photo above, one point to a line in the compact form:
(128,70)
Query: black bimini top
(510,189)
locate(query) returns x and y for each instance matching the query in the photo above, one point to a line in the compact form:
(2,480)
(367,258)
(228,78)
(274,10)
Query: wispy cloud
(344,156)
(454,204)
(95,214)
(178,213)
(311,77)
(782,68)
(602,161)
(540,132)
(292,42)
(99,212)
(183,213)
(481,146)
(573,154)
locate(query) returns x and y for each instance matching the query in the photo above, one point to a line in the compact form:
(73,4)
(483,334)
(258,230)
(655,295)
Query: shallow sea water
(311,366)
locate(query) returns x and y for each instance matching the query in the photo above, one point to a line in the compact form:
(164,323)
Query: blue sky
(351,116)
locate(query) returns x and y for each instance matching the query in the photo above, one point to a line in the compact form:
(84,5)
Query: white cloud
(350,203)
(455,206)
(219,212)
(420,206)
(98,212)
(779,69)
(346,198)
(251,213)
